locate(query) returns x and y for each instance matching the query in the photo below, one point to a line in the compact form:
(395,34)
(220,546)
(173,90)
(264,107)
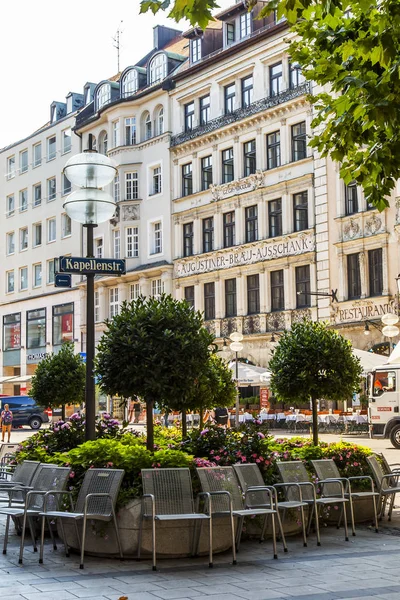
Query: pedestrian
(6,418)
(137,407)
(131,410)
(221,416)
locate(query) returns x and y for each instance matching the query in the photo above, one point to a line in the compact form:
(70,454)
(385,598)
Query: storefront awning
(16,379)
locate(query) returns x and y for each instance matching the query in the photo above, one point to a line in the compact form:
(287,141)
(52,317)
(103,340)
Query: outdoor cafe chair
(21,477)
(387,484)
(168,496)
(96,501)
(6,454)
(295,472)
(326,469)
(227,501)
(48,479)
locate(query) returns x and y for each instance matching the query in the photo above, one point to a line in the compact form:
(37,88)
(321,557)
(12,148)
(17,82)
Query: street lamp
(236,347)
(89,206)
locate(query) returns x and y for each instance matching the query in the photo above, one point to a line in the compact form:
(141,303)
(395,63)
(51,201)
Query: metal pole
(90,426)
(237,393)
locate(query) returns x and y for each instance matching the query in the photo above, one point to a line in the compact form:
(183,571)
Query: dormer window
(230,33)
(195,46)
(130,83)
(158,68)
(103,95)
(53,114)
(245,25)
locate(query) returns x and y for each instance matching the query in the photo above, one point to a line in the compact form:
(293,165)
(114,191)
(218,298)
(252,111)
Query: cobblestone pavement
(366,567)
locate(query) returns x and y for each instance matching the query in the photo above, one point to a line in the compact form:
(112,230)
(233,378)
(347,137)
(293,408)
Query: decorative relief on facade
(131,212)
(299,315)
(276,321)
(116,217)
(351,230)
(210,326)
(373,225)
(251,324)
(240,186)
(228,326)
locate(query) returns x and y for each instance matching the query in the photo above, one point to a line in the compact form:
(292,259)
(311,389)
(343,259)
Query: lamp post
(89,206)
(236,347)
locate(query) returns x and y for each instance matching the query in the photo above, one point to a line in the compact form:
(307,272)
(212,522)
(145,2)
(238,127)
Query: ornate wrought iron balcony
(241,113)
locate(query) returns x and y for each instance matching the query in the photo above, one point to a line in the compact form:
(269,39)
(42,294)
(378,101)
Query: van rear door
(384,401)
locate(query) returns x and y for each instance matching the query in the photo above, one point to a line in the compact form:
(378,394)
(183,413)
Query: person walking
(131,410)
(6,418)
(138,409)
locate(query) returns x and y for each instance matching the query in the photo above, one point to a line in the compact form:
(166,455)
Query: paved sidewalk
(366,567)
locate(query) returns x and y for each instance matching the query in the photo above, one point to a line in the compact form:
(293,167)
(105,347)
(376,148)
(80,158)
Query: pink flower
(217,457)
(260,435)
(244,459)
(254,455)
(348,455)
(258,460)
(204,431)
(356,464)
(72,474)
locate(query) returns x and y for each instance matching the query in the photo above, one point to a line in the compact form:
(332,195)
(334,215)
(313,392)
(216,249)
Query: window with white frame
(245,24)
(23,161)
(37,275)
(66,140)
(147,127)
(130,131)
(51,229)
(134,291)
(157,288)
(97,306)
(37,234)
(10,245)
(158,68)
(103,95)
(50,271)
(160,121)
(195,47)
(132,242)
(114,308)
(37,194)
(116,236)
(66,185)
(156,238)
(23,239)
(10,205)
(103,142)
(23,200)
(10,281)
(115,132)
(37,155)
(116,188)
(66,225)
(23,278)
(51,147)
(130,83)
(10,167)
(156,183)
(98,245)
(131,186)
(51,189)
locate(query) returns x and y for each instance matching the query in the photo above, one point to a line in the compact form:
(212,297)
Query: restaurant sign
(258,252)
(362,310)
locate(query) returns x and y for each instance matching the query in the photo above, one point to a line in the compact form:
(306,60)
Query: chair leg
(64,538)
(346,533)
(140,538)
(303,526)
(42,540)
(274,535)
(280,526)
(153,539)
(233,540)
(316,515)
(53,539)
(210,543)
(33,533)
(83,542)
(239,532)
(375,514)
(6,535)
(391,506)
(311,515)
(117,534)
(353,527)
(21,545)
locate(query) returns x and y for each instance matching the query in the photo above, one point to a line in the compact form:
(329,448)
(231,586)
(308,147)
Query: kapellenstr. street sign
(98,266)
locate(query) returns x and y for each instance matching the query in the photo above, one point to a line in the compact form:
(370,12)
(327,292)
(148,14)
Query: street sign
(83,355)
(61,280)
(87,266)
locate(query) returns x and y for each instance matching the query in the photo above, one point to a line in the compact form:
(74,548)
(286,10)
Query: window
(23,161)
(204,110)
(189,116)
(303,298)
(114,307)
(103,95)
(130,131)
(229,229)
(275,79)
(135,291)
(157,288)
(230,33)
(375,271)
(227,165)
(116,237)
(131,186)
(156,178)
(37,194)
(189,295)
(229,95)
(251,224)
(10,243)
(51,230)
(51,147)
(147,127)
(209,301)
(230,298)
(187,180)
(66,226)
(277,291)
(23,239)
(63,323)
(208,234)
(116,188)
(195,46)
(96,306)
(37,155)
(188,239)
(296,77)
(12,331)
(66,185)
(37,275)
(37,234)
(10,205)
(130,83)
(50,271)
(10,283)
(157,238)
(249,158)
(158,68)
(351,198)
(206,172)
(132,242)
(253,294)
(275,217)
(103,142)
(23,200)
(299,141)
(51,189)
(115,133)
(36,327)
(23,278)
(245,24)
(98,247)
(247,91)
(160,121)
(273,150)
(300,211)
(10,167)
(66,140)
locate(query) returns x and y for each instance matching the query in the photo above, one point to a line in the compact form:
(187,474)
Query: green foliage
(59,379)
(198,12)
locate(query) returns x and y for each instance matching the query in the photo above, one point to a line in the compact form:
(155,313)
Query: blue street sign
(62,280)
(87,266)
(83,355)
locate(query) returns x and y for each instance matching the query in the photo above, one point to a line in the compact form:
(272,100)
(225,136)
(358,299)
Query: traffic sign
(62,280)
(87,266)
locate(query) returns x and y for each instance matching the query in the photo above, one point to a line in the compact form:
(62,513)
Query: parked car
(25,411)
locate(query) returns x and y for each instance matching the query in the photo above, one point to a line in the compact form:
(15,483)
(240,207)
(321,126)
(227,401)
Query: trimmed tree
(313,361)
(155,349)
(59,379)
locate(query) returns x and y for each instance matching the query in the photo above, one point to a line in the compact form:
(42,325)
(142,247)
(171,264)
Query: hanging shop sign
(362,310)
(97,266)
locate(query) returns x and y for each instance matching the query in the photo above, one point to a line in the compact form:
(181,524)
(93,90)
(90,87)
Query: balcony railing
(242,113)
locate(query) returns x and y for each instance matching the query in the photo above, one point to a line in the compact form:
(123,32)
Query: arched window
(147,127)
(160,121)
(94,142)
(158,68)
(130,83)
(103,142)
(103,95)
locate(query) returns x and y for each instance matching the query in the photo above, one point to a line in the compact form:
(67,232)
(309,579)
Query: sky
(50,48)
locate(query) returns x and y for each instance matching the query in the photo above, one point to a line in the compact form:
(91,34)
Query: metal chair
(21,477)
(326,469)
(96,501)
(388,485)
(48,479)
(295,472)
(6,454)
(222,485)
(168,496)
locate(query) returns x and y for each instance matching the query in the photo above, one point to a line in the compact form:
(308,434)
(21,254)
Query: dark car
(25,411)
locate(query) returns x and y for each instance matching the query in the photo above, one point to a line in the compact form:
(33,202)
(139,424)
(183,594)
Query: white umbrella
(395,355)
(369,361)
(249,374)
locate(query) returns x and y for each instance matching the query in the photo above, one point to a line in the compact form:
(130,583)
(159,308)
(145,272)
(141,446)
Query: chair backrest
(48,478)
(378,472)
(7,449)
(100,481)
(294,471)
(25,472)
(218,479)
(327,469)
(172,491)
(249,475)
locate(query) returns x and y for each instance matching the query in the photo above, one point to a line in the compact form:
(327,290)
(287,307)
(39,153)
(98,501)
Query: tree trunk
(63,412)
(150,424)
(184,425)
(201,424)
(315,420)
